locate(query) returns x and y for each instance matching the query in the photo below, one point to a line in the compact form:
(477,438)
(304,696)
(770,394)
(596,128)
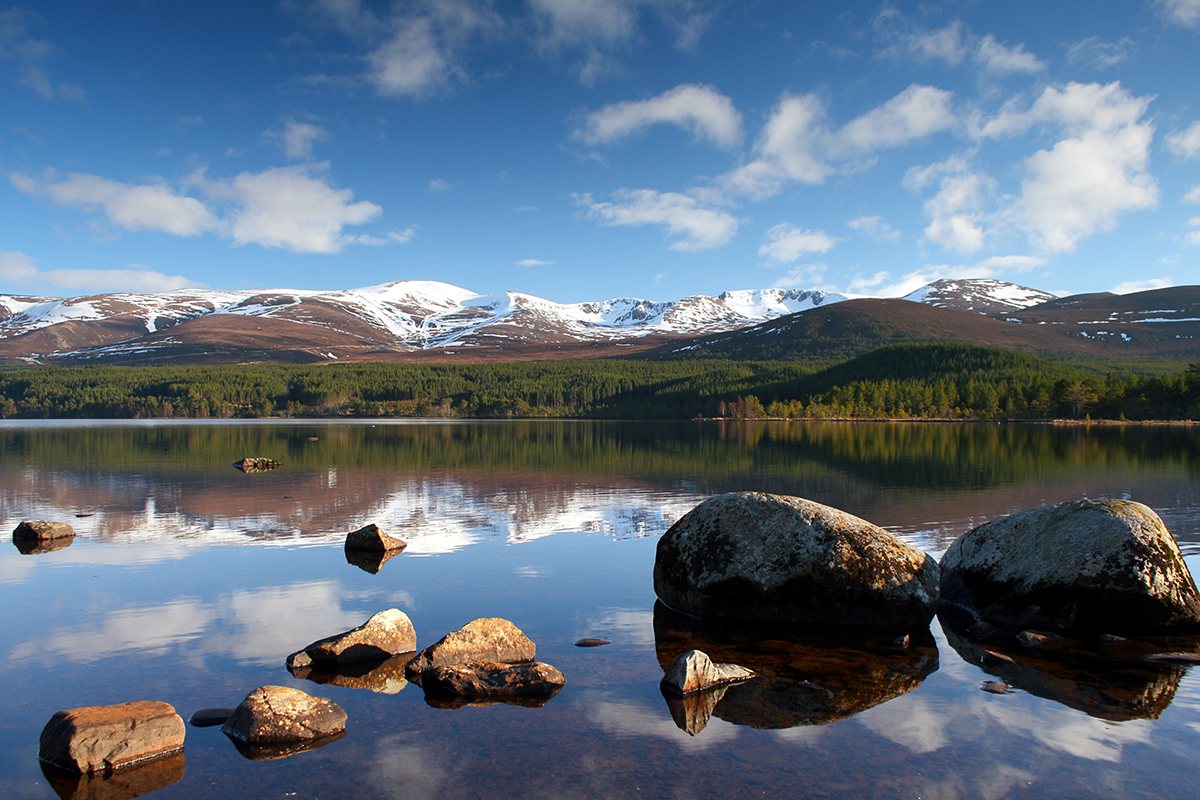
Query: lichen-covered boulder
(278,714)
(96,738)
(1089,566)
(41,530)
(769,559)
(488,639)
(385,634)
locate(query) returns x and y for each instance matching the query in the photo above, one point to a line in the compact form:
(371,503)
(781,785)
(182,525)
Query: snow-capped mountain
(980,295)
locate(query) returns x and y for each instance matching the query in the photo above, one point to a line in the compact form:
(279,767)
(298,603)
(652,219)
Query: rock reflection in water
(122,784)
(1108,683)
(370,562)
(35,547)
(386,677)
(804,679)
(275,752)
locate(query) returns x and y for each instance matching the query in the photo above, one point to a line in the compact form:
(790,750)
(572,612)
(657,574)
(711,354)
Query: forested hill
(898,381)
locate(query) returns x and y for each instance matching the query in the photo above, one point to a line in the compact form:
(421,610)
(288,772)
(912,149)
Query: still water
(190,582)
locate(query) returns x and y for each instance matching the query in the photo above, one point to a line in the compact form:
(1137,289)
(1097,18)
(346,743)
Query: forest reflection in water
(553,525)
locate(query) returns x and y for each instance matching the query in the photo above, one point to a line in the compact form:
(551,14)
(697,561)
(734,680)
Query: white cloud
(296,140)
(957,210)
(1088,179)
(294,208)
(695,226)
(132,206)
(1182,12)
(1192,195)
(1100,54)
(1185,143)
(993,56)
(802,276)
(1193,236)
(32,56)
(787,243)
(20,268)
(1128,287)
(700,109)
(883,284)
(439,185)
(1000,264)
(875,228)
(797,145)
(532,262)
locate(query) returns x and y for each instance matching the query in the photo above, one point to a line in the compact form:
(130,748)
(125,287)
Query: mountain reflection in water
(190,582)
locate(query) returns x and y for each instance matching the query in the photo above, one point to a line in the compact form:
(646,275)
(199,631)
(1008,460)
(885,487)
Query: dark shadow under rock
(1104,681)
(275,752)
(122,784)
(369,561)
(381,677)
(29,547)
(803,678)
(210,717)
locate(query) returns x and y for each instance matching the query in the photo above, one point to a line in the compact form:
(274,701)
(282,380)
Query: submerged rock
(694,671)
(385,634)
(489,639)
(97,738)
(1090,565)
(278,714)
(489,681)
(996,687)
(210,717)
(131,781)
(257,464)
(41,530)
(372,539)
(768,559)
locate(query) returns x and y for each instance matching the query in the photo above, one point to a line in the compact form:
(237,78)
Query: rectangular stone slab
(95,738)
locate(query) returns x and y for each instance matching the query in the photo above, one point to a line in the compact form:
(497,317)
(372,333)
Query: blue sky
(591,149)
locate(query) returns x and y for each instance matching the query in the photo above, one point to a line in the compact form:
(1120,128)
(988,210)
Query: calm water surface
(190,582)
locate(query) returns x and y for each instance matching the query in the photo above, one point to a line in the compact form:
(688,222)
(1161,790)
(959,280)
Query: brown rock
(385,678)
(487,680)
(995,687)
(592,642)
(257,464)
(277,714)
(1047,640)
(991,658)
(368,561)
(132,781)
(111,737)
(488,639)
(764,559)
(385,634)
(41,530)
(694,671)
(36,548)
(372,539)
(1172,658)
(691,712)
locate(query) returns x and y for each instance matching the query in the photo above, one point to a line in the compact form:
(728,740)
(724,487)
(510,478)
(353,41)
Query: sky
(593,149)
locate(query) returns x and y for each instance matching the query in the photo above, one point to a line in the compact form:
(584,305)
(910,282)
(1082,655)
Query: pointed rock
(385,634)
(372,539)
(694,671)
(487,639)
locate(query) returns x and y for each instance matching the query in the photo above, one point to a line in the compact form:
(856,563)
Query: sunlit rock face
(1106,566)
(802,679)
(770,559)
(385,634)
(1106,681)
(488,639)
(98,738)
(280,715)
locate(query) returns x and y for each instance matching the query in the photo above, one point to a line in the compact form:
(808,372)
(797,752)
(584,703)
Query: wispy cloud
(701,110)
(786,243)
(1185,143)
(1181,12)
(1129,287)
(21,269)
(31,57)
(532,262)
(875,228)
(1099,54)
(297,139)
(693,224)
(953,44)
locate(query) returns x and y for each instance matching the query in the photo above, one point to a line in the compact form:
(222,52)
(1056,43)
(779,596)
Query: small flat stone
(592,642)
(996,687)
(111,737)
(1042,639)
(1172,658)
(41,530)
(210,717)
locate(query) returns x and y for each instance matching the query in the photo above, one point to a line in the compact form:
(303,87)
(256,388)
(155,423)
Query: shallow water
(191,582)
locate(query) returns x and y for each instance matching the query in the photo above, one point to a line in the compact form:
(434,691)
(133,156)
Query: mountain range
(426,320)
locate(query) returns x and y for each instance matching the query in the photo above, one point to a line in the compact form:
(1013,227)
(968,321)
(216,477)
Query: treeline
(920,381)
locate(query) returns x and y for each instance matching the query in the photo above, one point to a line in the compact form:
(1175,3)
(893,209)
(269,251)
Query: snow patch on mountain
(981,295)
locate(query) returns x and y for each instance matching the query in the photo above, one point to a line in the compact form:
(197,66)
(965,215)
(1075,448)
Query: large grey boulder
(1103,566)
(489,639)
(767,559)
(385,634)
(96,738)
(278,714)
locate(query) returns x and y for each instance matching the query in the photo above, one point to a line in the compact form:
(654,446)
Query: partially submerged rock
(372,539)
(385,634)
(210,717)
(278,714)
(489,639)
(41,530)
(131,781)
(1090,565)
(694,671)
(257,464)
(762,559)
(592,642)
(97,738)
(489,681)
